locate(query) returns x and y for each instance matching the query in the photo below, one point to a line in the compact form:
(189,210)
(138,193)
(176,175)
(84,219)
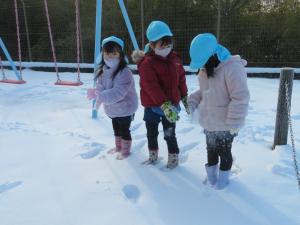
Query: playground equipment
(6,53)
(59,81)
(12,64)
(97,54)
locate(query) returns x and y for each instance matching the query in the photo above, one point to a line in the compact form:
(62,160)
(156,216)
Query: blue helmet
(113,39)
(203,46)
(157,30)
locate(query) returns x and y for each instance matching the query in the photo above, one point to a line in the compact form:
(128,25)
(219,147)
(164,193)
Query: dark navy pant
(152,120)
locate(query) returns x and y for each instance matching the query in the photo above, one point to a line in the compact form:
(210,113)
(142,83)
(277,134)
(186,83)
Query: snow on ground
(55,169)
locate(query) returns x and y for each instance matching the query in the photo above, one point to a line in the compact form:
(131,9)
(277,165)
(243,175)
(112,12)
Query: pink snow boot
(125,149)
(118,141)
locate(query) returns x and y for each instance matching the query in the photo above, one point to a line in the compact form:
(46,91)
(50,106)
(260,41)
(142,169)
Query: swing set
(59,81)
(97,54)
(19,79)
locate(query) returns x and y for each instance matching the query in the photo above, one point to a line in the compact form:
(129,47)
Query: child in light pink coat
(116,91)
(221,103)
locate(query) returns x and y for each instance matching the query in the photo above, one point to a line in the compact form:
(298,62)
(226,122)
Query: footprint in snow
(284,171)
(131,192)
(9,186)
(90,154)
(95,147)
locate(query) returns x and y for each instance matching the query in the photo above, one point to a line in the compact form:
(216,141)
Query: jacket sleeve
(236,81)
(182,82)
(99,86)
(195,98)
(150,84)
(99,89)
(121,86)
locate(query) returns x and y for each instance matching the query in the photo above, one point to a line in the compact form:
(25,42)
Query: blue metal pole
(12,64)
(97,47)
(128,24)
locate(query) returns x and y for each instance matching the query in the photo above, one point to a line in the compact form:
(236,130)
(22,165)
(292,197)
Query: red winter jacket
(161,79)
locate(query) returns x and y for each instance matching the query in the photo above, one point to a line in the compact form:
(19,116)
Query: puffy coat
(222,101)
(161,79)
(118,95)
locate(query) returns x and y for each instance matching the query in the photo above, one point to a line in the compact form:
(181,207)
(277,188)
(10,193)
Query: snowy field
(55,170)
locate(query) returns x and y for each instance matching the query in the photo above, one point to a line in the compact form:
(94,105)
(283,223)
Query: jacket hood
(233,59)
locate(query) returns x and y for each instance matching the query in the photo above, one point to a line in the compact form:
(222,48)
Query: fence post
(281,126)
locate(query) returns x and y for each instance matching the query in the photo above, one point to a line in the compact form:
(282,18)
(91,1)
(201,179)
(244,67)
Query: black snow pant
(121,126)
(219,144)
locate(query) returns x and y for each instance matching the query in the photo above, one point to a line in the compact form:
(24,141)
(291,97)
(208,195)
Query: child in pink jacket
(116,91)
(221,103)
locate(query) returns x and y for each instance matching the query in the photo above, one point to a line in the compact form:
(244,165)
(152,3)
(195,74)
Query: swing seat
(9,81)
(68,83)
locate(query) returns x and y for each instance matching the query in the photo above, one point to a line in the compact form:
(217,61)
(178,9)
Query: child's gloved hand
(91,93)
(234,131)
(186,105)
(170,112)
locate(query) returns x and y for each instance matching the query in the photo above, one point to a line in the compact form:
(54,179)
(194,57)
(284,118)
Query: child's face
(159,45)
(111,55)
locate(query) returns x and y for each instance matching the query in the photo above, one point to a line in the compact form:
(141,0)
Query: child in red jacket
(163,85)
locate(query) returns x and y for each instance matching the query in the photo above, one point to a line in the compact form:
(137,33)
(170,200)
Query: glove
(234,131)
(91,93)
(186,105)
(170,112)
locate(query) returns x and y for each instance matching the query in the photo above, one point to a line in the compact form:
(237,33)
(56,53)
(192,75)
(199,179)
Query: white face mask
(163,52)
(112,62)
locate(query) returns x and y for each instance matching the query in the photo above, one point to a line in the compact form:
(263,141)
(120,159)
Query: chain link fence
(265,34)
(294,152)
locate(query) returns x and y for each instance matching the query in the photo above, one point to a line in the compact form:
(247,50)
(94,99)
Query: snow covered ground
(55,170)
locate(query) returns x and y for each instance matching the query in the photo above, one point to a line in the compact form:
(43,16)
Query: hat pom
(137,56)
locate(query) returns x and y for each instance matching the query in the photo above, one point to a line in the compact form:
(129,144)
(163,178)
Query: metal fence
(252,37)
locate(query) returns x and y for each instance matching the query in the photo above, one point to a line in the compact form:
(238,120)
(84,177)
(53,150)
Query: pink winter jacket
(118,95)
(222,101)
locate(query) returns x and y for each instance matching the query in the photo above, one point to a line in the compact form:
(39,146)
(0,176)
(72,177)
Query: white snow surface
(55,170)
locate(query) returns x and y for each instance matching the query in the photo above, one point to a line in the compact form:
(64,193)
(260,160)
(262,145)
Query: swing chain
(18,37)
(51,39)
(292,134)
(77,38)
